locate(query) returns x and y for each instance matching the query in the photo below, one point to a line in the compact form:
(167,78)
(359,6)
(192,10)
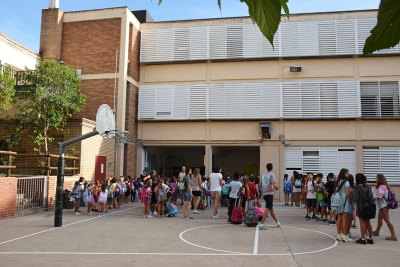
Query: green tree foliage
(6,88)
(48,97)
(267,15)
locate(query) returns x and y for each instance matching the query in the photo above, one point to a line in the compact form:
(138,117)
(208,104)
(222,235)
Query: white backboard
(105,121)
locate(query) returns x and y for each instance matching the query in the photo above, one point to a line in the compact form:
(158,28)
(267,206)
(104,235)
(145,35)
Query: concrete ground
(124,238)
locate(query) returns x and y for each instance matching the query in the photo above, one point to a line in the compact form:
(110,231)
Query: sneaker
(279,223)
(374,233)
(89,213)
(149,216)
(361,241)
(391,238)
(353,226)
(144,216)
(334,223)
(262,227)
(216,217)
(317,219)
(77,213)
(308,218)
(189,218)
(339,237)
(154,212)
(196,211)
(370,241)
(183,218)
(313,217)
(347,239)
(351,235)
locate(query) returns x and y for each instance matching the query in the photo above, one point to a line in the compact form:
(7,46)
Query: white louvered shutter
(371,162)
(293,159)
(328,160)
(290,39)
(234,40)
(182,44)
(198,101)
(252,100)
(309,99)
(311,159)
(218,42)
(198,43)
(217,101)
(147,102)
(163,102)
(364,27)
(291,100)
(148,46)
(347,159)
(252,41)
(390,162)
(389,99)
(267,49)
(308,38)
(165,46)
(370,106)
(181,102)
(346,37)
(329,100)
(271,100)
(234,101)
(348,99)
(327,37)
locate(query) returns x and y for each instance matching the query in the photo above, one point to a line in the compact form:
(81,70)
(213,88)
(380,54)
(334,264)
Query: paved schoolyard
(124,238)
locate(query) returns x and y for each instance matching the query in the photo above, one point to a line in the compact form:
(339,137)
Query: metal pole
(60,176)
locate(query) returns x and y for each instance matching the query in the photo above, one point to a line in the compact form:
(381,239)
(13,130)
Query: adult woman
(342,214)
(196,189)
(360,190)
(383,213)
(296,188)
(187,194)
(215,188)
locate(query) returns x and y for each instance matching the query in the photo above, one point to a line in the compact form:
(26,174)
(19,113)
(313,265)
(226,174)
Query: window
(56,140)
(385,160)
(380,99)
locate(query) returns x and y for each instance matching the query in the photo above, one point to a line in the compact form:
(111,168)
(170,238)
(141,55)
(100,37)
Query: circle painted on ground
(272,254)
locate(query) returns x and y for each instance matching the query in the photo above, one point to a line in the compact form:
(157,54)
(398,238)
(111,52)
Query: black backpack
(367,207)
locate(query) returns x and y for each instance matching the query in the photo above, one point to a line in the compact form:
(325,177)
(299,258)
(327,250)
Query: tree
(6,88)
(267,15)
(48,96)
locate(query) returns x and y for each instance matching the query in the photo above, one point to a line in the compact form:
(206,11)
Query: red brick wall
(91,45)
(8,196)
(134,53)
(51,33)
(131,127)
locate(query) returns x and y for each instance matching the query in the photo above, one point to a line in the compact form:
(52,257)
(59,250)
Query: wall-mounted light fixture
(295,69)
(282,138)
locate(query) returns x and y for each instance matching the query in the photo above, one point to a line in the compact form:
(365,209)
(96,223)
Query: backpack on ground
(260,212)
(251,218)
(367,207)
(171,209)
(288,187)
(162,195)
(297,183)
(391,200)
(225,189)
(237,214)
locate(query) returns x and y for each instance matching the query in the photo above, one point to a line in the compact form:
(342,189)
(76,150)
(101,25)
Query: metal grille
(31,193)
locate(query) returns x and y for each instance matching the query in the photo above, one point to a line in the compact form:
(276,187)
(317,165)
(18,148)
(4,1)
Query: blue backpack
(288,187)
(225,189)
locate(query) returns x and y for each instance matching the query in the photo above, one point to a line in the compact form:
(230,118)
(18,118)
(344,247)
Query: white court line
(129,253)
(55,228)
(255,251)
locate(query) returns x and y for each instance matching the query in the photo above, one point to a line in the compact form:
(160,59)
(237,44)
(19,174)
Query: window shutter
(181,102)
(346,41)
(291,100)
(165,48)
(329,100)
(364,27)
(234,100)
(327,37)
(267,50)
(328,157)
(347,159)
(371,163)
(218,42)
(198,43)
(234,38)
(252,46)
(253,105)
(182,44)
(370,106)
(310,99)
(163,102)
(217,101)
(290,39)
(389,99)
(271,100)
(311,159)
(293,159)
(348,99)
(308,38)
(390,162)
(198,101)
(146,102)
(148,46)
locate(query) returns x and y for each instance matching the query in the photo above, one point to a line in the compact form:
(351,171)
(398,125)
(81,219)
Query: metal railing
(31,193)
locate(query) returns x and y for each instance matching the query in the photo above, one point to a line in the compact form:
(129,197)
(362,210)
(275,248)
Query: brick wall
(134,53)
(91,45)
(51,33)
(8,196)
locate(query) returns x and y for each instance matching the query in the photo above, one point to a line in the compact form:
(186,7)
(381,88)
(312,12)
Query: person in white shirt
(234,188)
(181,183)
(215,188)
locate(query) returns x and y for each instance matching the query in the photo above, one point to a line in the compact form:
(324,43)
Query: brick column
(51,33)
(8,196)
(51,192)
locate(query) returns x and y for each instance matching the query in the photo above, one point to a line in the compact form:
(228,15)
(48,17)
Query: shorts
(250,204)
(149,199)
(322,203)
(153,199)
(269,201)
(187,196)
(196,193)
(215,193)
(77,200)
(296,190)
(311,202)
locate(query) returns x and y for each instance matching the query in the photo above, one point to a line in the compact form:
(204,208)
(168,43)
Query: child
(91,202)
(162,191)
(321,197)
(146,199)
(225,193)
(174,189)
(252,193)
(103,197)
(243,193)
(110,195)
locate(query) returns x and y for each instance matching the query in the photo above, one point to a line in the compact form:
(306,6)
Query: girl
(91,202)
(196,189)
(352,214)
(110,194)
(146,199)
(243,194)
(297,188)
(342,218)
(103,195)
(174,189)
(161,198)
(383,211)
(286,188)
(187,194)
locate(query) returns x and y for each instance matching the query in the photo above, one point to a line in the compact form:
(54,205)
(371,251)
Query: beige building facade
(215,92)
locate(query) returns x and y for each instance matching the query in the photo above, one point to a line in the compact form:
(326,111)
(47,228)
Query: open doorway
(242,159)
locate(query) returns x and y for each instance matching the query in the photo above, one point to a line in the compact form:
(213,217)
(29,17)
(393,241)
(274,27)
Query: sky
(20,19)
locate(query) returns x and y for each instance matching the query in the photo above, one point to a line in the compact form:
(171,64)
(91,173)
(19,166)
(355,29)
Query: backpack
(225,189)
(173,186)
(171,209)
(367,207)
(320,195)
(85,196)
(288,187)
(162,196)
(208,192)
(170,191)
(237,215)
(76,191)
(251,218)
(297,183)
(336,199)
(391,200)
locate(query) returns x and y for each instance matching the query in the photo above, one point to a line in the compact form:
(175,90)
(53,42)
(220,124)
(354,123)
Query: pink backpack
(237,215)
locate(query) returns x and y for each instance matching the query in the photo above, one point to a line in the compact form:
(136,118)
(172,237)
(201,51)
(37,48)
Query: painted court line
(255,250)
(55,228)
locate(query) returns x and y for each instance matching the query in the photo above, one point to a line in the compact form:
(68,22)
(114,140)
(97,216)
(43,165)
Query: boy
(330,188)
(78,189)
(321,196)
(310,188)
(252,193)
